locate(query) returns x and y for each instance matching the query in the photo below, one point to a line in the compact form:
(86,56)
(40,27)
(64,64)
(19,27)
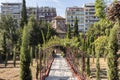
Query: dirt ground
(12,73)
(103,67)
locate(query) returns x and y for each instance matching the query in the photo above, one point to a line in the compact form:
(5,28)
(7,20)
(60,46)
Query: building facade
(89,16)
(72,13)
(42,13)
(85,15)
(13,9)
(58,24)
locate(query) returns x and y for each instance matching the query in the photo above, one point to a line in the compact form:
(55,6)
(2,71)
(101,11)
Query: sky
(60,5)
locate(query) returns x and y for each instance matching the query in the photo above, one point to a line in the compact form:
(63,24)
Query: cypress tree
(97,66)
(14,57)
(88,66)
(88,49)
(23,14)
(4,45)
(100,8)
(76,33)
(113,14)
(93,52)
(48,33)
(31,55)
(25,59)
(68,35)
(112,57)
(43,37)
(100,44)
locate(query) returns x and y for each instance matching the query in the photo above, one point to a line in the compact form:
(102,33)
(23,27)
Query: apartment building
(42,13)
(72,13)
(13,9)
(85,15)
(89,16)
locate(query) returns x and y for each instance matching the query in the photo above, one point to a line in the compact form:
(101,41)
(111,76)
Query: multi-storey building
(72,13)
(85,15)
(46,13)
(89,16)
(13,9)
(42,13)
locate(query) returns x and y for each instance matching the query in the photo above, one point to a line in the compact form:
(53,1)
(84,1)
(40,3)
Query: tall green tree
(100,8)
(4,46)
(68,35)
(100,44)
(9,27)
(25,59)
(76,33)
(14,56)
(23,14)
(97,66)
(112,57)
(48,33)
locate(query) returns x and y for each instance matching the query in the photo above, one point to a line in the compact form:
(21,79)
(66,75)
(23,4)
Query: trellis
(69,57)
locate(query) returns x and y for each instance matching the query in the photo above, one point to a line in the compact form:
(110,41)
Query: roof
(58,18)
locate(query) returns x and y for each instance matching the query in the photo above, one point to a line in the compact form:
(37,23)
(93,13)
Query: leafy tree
(89,42)
(48,33)
(113,14)
(4,46)
(23,14)
(112,57)
(25,59)
(97,67)
(43,37)
(100,8)
(76,33)
(31,55)
(68,35)
(100,44)
(36,35)
(9,26)
(14,56)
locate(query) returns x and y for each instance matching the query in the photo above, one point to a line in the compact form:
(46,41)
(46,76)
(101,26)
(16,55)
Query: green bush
(63,54)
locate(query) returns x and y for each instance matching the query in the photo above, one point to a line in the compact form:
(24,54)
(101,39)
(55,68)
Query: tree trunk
(88,66)
(6,59)
(14,56)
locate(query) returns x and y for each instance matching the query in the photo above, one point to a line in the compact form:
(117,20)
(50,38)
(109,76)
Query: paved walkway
(60,70)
